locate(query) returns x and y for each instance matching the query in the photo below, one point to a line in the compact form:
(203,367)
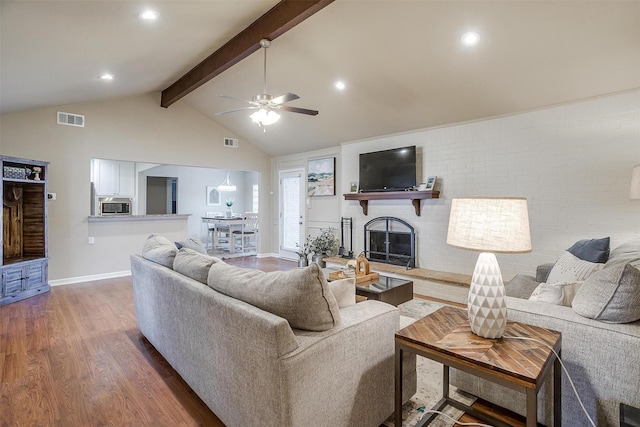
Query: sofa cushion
(592,250)
(521,286)
(627,253)
(194,264)
(301,296)
(192,243)
(570,268)
(611,295)
(344,290)
(160,250)
(556,293)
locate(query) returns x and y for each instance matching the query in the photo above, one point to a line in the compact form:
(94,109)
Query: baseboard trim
(89,278)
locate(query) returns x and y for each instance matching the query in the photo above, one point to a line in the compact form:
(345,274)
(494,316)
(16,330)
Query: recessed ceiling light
(106,76)
(340,85)
(148,15)
(470,38)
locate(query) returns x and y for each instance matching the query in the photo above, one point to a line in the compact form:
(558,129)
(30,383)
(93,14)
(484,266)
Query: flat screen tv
(388,170)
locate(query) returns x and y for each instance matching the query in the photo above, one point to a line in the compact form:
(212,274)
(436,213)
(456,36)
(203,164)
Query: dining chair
(217,233)
(246,238)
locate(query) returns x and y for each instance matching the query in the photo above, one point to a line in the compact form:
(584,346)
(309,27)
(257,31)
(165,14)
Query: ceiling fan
(268,105)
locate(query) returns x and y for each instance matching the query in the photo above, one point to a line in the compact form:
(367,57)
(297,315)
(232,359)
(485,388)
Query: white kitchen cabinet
(114,178)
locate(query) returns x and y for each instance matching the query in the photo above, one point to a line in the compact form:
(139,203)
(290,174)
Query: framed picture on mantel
(431,183)
(321,177)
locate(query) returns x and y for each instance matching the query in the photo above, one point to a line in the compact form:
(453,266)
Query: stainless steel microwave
(112,206)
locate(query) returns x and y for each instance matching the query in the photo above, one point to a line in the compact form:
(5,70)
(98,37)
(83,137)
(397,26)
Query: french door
(292,226)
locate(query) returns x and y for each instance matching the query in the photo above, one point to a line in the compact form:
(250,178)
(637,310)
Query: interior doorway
(292,218)
(162,195)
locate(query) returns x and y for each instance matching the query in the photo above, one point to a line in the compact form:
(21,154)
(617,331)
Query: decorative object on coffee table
(488,225)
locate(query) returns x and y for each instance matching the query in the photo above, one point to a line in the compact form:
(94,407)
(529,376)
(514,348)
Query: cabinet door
(35,274)
(12,283)
(105,175)
(126,179)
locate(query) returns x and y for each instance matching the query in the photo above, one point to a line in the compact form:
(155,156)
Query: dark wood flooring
(74,357)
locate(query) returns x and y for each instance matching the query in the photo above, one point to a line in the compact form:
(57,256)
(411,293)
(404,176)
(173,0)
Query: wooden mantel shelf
(414,196)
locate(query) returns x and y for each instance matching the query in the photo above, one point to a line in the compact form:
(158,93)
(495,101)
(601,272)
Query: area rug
(429,390)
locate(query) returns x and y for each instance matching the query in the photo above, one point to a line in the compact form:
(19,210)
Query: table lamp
(489,225)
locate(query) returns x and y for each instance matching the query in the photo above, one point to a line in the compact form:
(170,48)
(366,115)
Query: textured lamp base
(487,307)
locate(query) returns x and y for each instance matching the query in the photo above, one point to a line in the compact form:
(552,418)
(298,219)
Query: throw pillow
(194,264)
(611,295)
(344,290)
(592,250)
(570,268)
(301,296)
(556,293)
(627,253)
(160,250)
(192,243)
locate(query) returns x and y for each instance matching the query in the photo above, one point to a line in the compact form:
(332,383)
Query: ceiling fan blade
(238,99)
(221,113)
(284,98)
(298,110)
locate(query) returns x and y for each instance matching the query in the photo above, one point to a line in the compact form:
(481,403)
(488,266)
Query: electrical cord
(561,365)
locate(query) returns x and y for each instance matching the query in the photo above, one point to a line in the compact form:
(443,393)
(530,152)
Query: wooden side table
(523,365)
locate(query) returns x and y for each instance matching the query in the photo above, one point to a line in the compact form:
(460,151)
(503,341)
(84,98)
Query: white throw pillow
(345,291)
(570,269)
(556,293)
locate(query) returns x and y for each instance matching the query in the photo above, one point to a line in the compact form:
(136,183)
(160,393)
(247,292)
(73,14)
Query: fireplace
(390,240)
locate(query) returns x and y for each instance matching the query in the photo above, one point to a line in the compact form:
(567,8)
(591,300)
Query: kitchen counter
(126,218)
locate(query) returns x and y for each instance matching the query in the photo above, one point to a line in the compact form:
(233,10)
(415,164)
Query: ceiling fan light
(264,117)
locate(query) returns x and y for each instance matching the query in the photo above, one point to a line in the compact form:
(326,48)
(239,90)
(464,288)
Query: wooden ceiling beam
(277,21)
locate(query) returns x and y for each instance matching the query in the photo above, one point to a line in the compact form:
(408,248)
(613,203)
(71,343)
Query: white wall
(572,162)
(136,129)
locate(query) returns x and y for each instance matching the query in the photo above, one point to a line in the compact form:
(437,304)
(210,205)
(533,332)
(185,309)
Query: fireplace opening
(390,240)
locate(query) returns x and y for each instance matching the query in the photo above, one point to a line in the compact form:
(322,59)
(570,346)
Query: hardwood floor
(74,357)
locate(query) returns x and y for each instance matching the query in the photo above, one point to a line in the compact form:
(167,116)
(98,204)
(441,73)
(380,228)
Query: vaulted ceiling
(402,61)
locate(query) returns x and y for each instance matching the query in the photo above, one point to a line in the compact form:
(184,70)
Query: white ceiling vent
(231,142)
(70,119)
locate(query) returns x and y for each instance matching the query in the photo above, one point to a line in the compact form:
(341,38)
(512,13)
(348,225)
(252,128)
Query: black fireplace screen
(390,240)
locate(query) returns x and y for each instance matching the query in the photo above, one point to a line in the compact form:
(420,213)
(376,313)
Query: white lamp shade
(635,183)
(490,224)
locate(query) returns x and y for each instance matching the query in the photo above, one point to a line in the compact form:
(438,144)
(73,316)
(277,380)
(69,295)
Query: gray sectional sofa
(602,358)
(249,365)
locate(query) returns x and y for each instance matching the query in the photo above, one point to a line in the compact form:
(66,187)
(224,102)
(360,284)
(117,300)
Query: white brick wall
(572,162)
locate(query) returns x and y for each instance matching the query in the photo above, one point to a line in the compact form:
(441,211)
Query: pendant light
(226,184)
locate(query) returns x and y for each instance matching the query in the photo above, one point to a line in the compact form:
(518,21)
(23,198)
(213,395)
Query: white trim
(90,278)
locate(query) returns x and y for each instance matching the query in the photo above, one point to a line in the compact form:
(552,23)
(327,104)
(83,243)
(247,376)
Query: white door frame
(286,250)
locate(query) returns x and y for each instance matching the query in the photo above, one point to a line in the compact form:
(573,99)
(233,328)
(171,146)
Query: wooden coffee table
(523,365)
(386,289)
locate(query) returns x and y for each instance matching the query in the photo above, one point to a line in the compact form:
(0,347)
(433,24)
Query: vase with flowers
(229,203)
(323,246)
(303,252)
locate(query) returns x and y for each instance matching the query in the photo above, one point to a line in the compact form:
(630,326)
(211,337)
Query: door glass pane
(290,212)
